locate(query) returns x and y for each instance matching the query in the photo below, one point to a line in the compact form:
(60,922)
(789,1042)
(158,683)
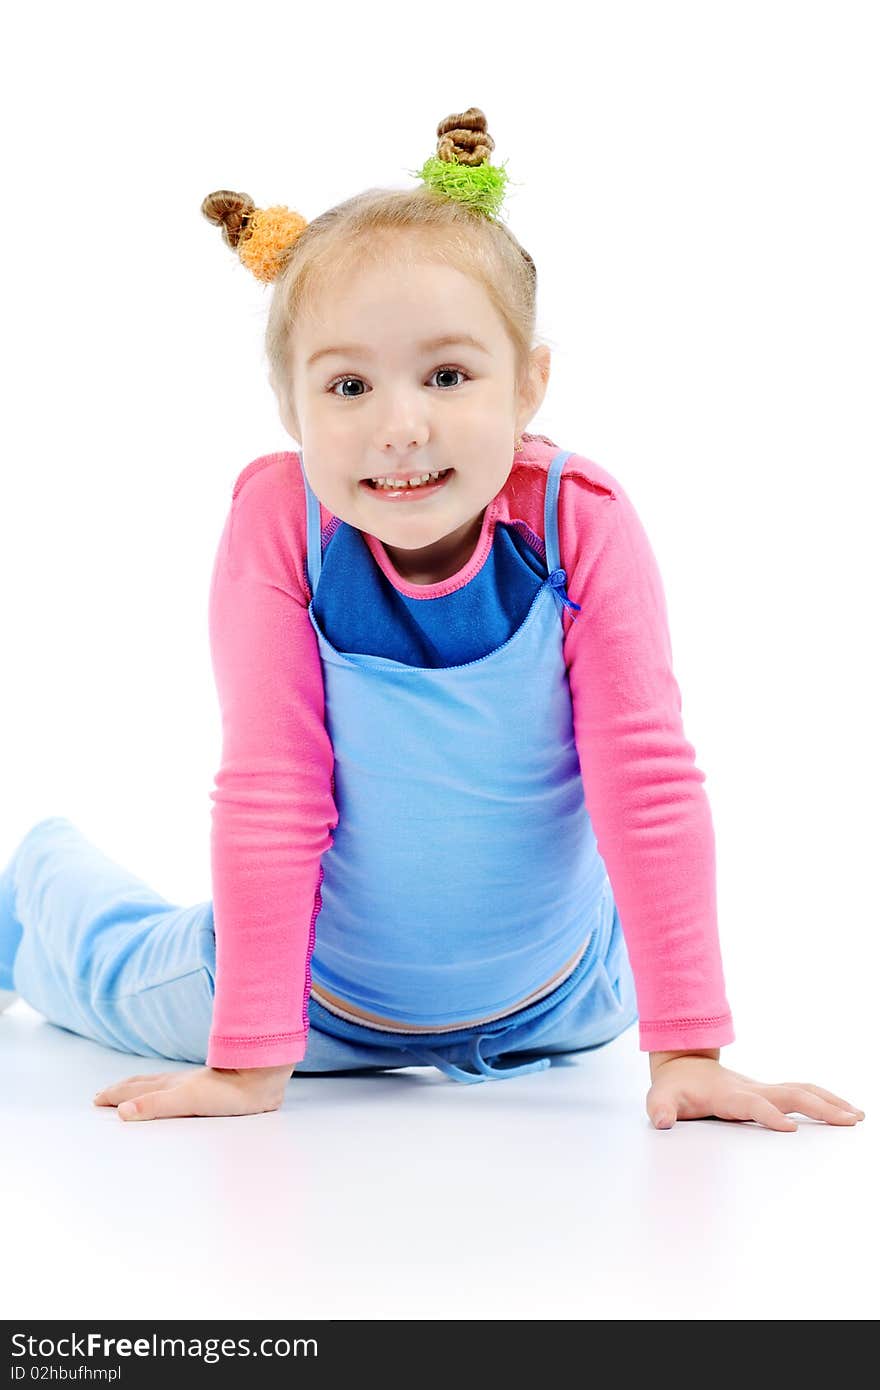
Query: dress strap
(555,573)
(313,531)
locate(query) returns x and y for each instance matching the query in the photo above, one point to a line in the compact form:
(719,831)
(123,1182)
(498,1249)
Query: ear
(535,389)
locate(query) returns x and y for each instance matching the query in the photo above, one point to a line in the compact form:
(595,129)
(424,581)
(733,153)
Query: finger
(751,1105)
(109,1093)
(808,1103)
(827,1095)
(158,1105)
(132,1085)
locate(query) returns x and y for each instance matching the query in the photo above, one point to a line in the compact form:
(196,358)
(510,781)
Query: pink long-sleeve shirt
(274,814)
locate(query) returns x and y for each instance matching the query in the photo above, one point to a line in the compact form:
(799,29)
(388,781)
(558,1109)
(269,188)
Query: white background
(697,183)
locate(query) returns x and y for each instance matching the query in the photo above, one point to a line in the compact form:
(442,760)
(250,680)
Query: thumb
(661,1107)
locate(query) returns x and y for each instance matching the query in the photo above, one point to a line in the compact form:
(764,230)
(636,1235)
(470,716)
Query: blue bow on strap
(557,579)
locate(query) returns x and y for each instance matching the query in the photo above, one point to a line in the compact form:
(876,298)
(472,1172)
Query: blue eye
(348,377)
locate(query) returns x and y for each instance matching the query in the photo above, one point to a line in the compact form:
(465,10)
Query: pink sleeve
(273,805)
(642,787)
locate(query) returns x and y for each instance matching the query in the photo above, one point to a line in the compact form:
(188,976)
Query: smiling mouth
(443,474)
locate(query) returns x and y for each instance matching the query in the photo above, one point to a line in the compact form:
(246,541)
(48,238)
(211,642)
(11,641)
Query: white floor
(409,1195)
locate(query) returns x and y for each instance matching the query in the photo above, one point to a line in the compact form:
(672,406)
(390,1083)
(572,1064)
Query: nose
(391,443)
(403,433)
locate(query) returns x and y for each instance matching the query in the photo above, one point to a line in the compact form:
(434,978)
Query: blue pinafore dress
(464,870)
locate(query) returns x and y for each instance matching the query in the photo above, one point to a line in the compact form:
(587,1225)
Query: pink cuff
(681,1034)
(274,1050)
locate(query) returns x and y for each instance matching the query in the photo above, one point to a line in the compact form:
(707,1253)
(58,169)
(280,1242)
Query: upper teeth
(405,482)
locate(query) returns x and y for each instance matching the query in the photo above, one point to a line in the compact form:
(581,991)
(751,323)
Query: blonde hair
(432,221)
(358,234)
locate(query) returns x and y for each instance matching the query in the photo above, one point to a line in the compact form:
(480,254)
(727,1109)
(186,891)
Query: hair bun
(231,211)
(465,137)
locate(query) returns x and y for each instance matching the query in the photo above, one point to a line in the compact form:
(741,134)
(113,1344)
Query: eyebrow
(446,340)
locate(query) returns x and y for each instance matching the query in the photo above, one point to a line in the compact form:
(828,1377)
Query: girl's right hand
(208,1091)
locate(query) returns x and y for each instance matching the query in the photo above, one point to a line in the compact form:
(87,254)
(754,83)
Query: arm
(273,811)
(654,827)
(273,805)
(643,789)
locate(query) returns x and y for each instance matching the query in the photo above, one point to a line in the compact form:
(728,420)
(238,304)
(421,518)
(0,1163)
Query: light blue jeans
(100,953)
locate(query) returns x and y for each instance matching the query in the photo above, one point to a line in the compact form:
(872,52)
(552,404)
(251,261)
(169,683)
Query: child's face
(389,405)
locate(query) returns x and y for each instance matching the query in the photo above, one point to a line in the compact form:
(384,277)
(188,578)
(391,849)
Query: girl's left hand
(696,1088)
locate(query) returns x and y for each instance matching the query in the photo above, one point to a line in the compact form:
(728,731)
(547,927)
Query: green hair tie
(479,186)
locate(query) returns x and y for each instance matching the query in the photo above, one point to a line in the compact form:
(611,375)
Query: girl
(456,821)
